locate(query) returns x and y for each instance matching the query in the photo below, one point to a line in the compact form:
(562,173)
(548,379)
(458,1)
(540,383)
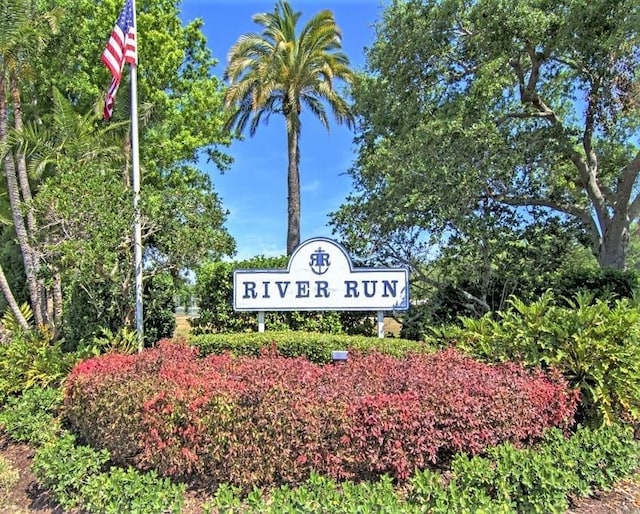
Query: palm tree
(279,72)
(22,34)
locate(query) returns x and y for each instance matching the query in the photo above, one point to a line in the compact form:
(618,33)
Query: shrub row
(504,479)
(76,476)
(313,346)
(507,480)
(270,420)
(530,480)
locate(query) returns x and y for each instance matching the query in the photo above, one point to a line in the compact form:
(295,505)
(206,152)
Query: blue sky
(255,189)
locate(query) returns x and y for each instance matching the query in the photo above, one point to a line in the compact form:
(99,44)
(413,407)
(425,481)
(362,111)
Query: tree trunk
(13,192)
(39,308)
(13,305)
(23,178)
(56,317)
(293,187)
(614,243)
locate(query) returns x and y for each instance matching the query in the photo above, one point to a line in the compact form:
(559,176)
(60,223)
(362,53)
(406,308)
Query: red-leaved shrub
(272,420)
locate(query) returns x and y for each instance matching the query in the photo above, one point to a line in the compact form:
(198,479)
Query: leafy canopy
(532,105)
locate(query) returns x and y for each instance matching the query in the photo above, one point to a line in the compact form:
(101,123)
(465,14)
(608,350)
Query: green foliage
(467,120)
(214,288)
(125,341)
(439,496)
(31,359)
(119,490)
(94,320)
(74,473)
(313,346)
(94,317)
(471,294)
(595,344)
(318,494)
(532,480)
(603,284)
(89,311)
(33,416)
(64,467)
(175,80)
(601,456)
(159,308)
(478,272)
(10,323)
(79,167)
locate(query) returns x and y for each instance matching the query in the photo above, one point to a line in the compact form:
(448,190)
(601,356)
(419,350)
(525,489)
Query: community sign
(320,277)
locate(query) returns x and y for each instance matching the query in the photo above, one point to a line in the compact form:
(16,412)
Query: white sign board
(320,277)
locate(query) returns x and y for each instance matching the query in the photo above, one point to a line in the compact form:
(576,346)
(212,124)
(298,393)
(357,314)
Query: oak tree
(531,105)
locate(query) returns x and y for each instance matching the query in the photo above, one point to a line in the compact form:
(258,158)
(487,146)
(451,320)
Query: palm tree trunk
(13,305)
(293,187)
(39,308)
(13,192)
(23,178)
(57,303)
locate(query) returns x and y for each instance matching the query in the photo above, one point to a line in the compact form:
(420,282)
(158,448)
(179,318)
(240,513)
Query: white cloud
(312,186)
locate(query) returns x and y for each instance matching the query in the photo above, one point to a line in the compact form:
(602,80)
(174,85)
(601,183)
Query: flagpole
(137,228)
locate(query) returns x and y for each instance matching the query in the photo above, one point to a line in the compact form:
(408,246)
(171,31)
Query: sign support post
(260,321)
(380,323)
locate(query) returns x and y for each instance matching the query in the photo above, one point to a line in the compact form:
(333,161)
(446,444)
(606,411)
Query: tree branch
(628,178)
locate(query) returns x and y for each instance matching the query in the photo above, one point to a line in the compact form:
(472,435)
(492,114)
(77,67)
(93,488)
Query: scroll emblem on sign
(319,262)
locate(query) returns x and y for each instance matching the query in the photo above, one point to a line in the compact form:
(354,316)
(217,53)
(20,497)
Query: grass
(9,477)
(182,326)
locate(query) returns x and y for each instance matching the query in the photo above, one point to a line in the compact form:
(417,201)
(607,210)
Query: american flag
(121,48)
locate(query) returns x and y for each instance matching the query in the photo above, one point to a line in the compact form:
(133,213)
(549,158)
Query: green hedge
(315,347)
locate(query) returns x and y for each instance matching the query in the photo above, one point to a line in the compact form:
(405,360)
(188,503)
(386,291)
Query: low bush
(63,467)
(31,359)
(595,344)
(317,494)
(271,420)
(531,480)
(505,480)
(76,476)
(127,490)
(32,417)
(315,347)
